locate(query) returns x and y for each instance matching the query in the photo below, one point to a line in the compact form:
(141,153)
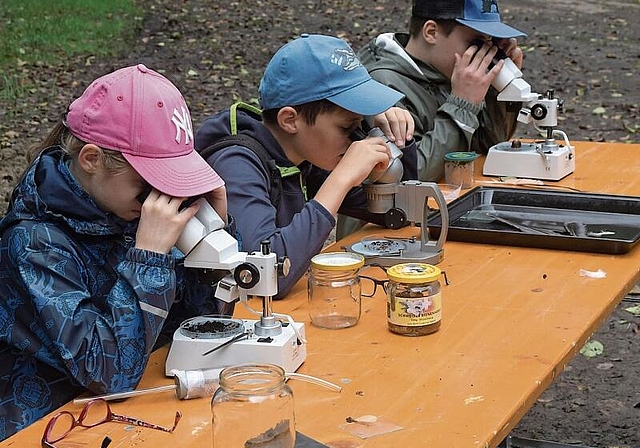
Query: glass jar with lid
(253,408)
(414,301)
(334,289)
(458,168)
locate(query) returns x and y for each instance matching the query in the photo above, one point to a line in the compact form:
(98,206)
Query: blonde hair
(61,136)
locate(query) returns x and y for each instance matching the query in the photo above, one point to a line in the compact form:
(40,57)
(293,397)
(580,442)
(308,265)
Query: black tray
(547,219)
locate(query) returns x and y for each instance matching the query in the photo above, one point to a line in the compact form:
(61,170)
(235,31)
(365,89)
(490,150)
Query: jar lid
(413,273)
(337,261)
(461,156)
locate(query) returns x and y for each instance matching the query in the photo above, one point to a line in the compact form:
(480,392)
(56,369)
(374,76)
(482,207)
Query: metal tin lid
(461,156)
(413,273)
(337,261)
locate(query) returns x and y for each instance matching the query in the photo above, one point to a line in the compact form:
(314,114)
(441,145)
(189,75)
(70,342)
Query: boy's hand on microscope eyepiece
(364,156)
(511,49)
(397,124)
(471,75)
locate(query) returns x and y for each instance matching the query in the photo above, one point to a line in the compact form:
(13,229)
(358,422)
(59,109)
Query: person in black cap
(442,67)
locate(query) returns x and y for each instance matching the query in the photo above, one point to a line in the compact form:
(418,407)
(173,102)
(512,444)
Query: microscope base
(282,349)
(531,161)
(411,253)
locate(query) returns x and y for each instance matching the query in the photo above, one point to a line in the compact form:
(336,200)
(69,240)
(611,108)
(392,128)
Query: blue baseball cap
(315,67)
(480,15)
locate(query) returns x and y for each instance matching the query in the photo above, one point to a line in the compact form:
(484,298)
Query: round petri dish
(211,327)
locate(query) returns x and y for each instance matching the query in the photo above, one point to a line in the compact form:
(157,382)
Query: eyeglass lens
(59,426)
(94,413)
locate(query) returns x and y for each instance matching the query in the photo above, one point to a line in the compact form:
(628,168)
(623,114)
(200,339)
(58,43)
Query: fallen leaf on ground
(592,348)
(635,310)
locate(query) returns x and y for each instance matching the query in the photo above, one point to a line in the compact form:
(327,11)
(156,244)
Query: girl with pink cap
(90,281)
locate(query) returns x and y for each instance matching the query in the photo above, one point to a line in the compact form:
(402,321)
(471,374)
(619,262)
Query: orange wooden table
(513,317)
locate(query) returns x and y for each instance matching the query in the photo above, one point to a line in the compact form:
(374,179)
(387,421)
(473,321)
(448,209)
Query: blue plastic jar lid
(461,156)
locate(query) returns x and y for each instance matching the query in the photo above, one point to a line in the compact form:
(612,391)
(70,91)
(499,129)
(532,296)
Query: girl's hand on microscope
(218,200)
(511,49)
(397,124)
(162,221)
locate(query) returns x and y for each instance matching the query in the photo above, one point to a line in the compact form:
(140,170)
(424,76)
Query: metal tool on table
(214,342)
(546,159)
(401,202)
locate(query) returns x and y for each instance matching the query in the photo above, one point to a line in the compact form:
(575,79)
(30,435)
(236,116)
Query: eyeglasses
(369,285)
(94,413)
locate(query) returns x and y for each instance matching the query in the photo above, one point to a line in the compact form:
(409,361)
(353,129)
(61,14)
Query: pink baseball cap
(141,114)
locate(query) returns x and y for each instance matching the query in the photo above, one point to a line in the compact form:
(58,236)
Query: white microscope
(215,342)
(545,160)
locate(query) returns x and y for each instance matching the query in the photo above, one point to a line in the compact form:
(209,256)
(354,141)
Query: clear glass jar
(334,289)
(414,301)
(253,408)
(458,168)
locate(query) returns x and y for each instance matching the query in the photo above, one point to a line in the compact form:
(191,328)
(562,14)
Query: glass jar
(253,408)
(334,289)
(458,168)
(414,301)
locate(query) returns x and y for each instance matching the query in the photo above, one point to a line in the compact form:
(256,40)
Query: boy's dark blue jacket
(80,307)
(301,226)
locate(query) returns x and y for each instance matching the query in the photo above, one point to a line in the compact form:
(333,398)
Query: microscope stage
(388,252)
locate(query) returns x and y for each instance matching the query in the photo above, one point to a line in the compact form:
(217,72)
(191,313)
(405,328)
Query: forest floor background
(214,51)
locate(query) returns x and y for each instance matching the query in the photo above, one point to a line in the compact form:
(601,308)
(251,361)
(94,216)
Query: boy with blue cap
(442,67)
(314,93)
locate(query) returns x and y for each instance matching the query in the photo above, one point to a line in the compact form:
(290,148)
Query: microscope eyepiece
(498,56)
(357,134)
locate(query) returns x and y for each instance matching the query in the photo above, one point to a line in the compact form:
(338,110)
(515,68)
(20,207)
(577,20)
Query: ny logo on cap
(345,58)
(489,5)
(182,122)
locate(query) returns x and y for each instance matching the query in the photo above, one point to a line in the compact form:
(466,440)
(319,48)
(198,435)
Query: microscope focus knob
(538,112)
(395,218)
(284,266)
(246,275)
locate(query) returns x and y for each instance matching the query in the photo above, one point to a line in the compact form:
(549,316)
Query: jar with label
(414,301)
(253,408)
(334,289)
